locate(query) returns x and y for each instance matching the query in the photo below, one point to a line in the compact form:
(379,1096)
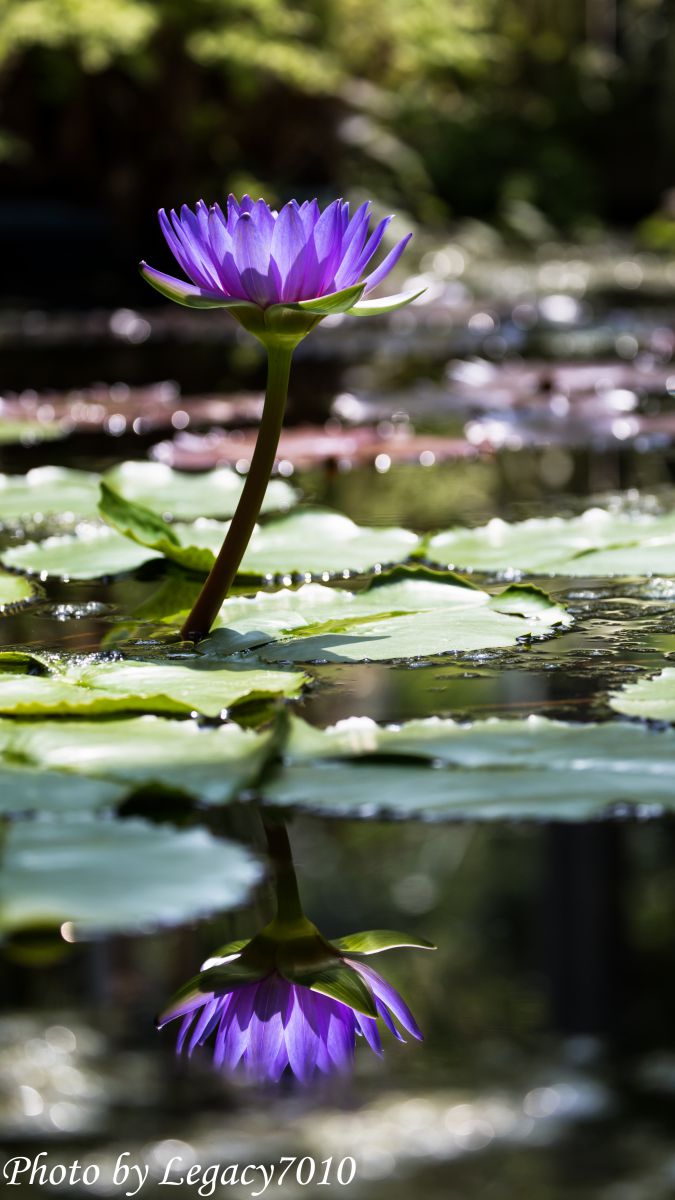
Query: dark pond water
(548,1065)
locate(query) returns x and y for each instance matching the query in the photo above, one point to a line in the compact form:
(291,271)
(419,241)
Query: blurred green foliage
(467,106)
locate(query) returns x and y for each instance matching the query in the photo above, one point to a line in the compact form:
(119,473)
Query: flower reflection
(288,998)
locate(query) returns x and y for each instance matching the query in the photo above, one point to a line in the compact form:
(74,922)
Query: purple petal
(232,1038)
(383,1012)
(327,241)
(368,1027)
(349,269)
(301,1034)
(358,223)
(251,257)
(386,265)
(288,244)
(338,1028)
(266,1026)
(206,1023)
(197,242)
(221,243)
(173,243)
(183,1031)
(371,245)
(192,251)
(383,991)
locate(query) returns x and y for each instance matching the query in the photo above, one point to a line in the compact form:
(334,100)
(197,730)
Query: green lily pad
(491,770)
(46,490)
(189,495)
(27,789)
(62,490)
(93,552)
(14,590)
(30,432)
(652,699)
(407,613)
(210,764)
(598,542)
(94,684)
(129,875)
(304,543)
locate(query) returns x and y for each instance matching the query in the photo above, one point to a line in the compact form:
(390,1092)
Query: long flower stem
(224,570)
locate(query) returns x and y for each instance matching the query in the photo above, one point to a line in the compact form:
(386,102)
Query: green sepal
(227,976)
(217,981)
(229,948)
(334,302)
(374,941)
(376,308)
(342,983)
(189,296)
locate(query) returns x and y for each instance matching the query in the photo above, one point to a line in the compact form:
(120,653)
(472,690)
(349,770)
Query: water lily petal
(301,1034)
(371,245)
(386,265)
(383,991)
(251,256)
(288,244)
(368,1027)
(266,1026)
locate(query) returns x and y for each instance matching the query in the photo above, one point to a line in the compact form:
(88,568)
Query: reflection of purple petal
(302,1033)
(206,1023)
(266,1026)
(368,1027)
(388,995)
(183,1031)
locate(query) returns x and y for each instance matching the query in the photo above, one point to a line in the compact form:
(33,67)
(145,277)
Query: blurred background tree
(527,113)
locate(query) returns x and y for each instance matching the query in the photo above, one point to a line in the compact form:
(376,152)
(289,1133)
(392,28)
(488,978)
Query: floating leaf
(494,769)
(188,496)
(210,764)
(29,433)
(25,789)
(407,613)
(93,552)
(117,875)
(652,699)
(14,589)
(47,490)
(596,543)
(305,543)
(94,684)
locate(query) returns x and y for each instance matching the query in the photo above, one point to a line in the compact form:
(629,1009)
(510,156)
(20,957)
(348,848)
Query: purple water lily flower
(278,274)
(274,1024)
(251,253)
